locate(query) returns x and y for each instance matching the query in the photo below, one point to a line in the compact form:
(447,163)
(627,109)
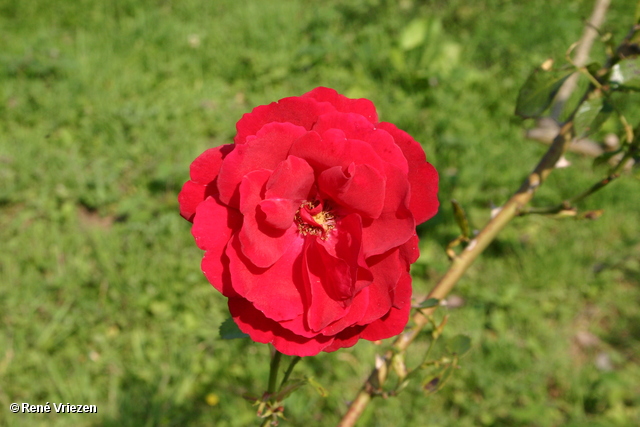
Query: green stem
(289,370)
(273,371)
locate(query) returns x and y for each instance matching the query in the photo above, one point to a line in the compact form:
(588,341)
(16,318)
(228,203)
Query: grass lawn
(103,105)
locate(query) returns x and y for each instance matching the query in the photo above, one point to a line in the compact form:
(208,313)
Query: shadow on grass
(140,405)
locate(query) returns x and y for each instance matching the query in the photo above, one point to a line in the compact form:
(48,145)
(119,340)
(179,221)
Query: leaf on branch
(321,390)
(397,363)
(538,91)
(591,114)
(626,74)
(604,158)
(229,330)
(461,218)
(431,302)
(460,344)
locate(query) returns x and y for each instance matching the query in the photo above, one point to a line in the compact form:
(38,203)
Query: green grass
(103,105)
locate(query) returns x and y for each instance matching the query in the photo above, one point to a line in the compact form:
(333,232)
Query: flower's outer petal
(190,197)
(347,338)
(392,323)
(205,167)
(402,292)
(334,149)
(203,172)
(422,176)
(353,125)
(298,111)
(385,146)
(353,314)
(262,329)
(409,252)
(386,269)
(396,224)
(343,104)
(298,325)
(215,266)
(261,243)
(212,228)
(215,224)
(270,147)
(360,188)
(277,291)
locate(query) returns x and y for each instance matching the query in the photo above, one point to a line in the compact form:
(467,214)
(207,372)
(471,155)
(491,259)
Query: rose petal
(360,188)
(392,324)
(214,224)
(353,314)
(298,325)
(277,291)
(396,224)
(353,125)
(386,269)
(298,111)
(343,104)
(345,242)
(278,213)
(385,146)
(270,147)
(205,167)
(422,176)
(402,292)
(262,329)
(262,243)
(329,279)
(215,266)
(409,252)
(333,149)
(190,197)
(292,179)
(347,338)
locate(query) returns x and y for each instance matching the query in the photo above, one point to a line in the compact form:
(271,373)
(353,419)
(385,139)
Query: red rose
(308,221)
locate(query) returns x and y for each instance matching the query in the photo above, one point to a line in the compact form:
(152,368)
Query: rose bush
(308,221)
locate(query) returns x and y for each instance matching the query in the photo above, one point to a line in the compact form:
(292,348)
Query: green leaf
(459,344)
(431,302)
(591,114)
(321,390)
(229,330)
(626,74)
(538,91)
(604,158)
(461,218)
(593,68)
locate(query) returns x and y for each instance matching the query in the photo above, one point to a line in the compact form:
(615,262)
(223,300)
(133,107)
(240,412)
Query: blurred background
(103,106)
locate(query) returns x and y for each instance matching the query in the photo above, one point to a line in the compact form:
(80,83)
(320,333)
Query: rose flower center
(312,218)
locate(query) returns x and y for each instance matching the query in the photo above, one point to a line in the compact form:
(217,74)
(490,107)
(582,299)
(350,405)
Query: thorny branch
(515,206)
